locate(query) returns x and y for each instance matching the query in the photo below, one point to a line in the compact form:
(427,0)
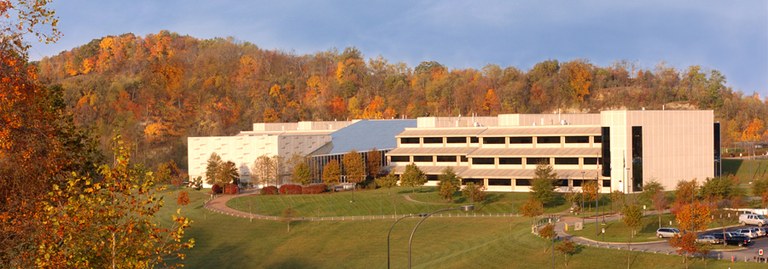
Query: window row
(521,181)
(492,160)
(501,140)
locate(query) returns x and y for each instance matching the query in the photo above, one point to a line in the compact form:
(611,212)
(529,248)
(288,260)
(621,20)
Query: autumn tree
(331,173)
(387,181)
(183,198)
(412,177)
(691,219)
(354,167)
(474,192)
(618,199)
(685,192)
(264,170)
(532,208)
(373,163)
(631,216)
(568,248)
(227,174)
(301,174)
(449,184)
(119,210)
(543,184)
(653,193)
(212,169)
(548,232)
(591,191)
(760,188)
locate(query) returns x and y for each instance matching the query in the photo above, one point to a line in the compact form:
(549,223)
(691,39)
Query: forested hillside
(158,89)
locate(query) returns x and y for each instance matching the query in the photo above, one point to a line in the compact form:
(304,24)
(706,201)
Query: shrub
(314,189)
(269,190)
(231,188)
(290,189)
(216,189)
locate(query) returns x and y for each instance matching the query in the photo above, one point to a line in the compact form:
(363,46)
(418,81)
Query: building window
(637,158)
(577,182)
(409,140)
(510,161)
(499,182)
(577,139)
(522,182)
(607,183)
(598,139)
(446,159)
(482,160)
(548,140)
(535,161)
(521,140)
(561,183)
(567,161)
(433,140)
(493,140)
(590,161)
(456,140)
(422,158)
(474,139)
(400,159)
(477,181)
(464,158)
(606,150)
(432,178)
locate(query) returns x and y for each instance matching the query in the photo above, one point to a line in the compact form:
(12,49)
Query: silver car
(708,239)
(666,232)
(748,232)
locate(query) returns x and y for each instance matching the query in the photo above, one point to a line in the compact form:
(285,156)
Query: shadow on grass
(291,263)
(416,190)
(731,166)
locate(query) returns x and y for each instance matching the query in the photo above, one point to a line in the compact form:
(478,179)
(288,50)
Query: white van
(752,219)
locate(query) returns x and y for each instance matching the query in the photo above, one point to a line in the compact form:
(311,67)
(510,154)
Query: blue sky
(730,36)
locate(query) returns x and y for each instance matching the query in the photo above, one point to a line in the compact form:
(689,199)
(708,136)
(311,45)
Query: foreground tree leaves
(109,222)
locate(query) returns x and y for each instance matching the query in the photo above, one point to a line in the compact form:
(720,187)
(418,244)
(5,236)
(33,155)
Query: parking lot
(749,252)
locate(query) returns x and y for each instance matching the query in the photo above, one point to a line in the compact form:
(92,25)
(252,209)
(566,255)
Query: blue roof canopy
(365,135)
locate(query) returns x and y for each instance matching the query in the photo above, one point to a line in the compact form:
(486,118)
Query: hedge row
(294,189)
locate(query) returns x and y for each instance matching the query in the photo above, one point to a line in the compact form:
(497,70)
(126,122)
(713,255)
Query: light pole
(427,215)
(392,227)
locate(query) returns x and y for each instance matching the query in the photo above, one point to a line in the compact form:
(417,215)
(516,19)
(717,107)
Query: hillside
(158,89)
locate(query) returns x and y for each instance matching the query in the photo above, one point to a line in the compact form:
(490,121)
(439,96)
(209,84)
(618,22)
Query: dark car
(733,238)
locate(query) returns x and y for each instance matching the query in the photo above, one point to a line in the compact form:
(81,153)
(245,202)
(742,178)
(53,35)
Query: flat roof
(536,152)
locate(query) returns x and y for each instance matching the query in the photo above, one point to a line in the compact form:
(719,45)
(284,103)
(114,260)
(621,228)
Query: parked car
(763,231)
(748,232)
(667,232)
(733,238)
(752,219)
(708,239)
(760,231)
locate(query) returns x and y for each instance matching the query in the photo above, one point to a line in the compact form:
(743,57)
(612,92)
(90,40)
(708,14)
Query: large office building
(317,141)
(621,150)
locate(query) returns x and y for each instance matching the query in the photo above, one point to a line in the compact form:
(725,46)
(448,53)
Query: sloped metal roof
(364,135)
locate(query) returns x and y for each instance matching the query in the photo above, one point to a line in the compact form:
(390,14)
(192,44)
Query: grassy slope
(227,242)
(374,202)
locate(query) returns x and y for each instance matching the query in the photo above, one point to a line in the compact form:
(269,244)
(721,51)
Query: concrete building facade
(621,150)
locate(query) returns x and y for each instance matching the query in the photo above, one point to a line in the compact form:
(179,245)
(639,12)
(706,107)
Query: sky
(728,36)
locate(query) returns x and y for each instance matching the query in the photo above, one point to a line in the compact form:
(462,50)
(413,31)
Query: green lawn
(374,202)
(228,242)
(745,169)
(616,231)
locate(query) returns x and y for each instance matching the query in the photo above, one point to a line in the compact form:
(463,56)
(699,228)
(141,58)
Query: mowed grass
(745,169)
(616,231)
(503,242)
(375,202)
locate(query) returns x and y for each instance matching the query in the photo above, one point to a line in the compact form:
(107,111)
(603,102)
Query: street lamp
(393,226)
(464,208)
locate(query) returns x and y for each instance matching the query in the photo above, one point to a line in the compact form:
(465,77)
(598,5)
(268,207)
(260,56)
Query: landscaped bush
(216,189)
(290,189)
(314,189)
(231,189)
(269,190)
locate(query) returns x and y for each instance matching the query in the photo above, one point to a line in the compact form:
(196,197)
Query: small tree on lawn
(331,173)
(197,183)
(686,245)
(183,198)
(660,203)
(301,174)
(287,217)
(653,193)
(354,167)
(632,216)
(548,232)
(227,174)
(760,188)
(212,169)
(543,185)
(264,170)
(387,181)
(532,208)
(685,192)
(373,163)
(617,199)
(590,190)
(568,249)
(473,193)
(413,177)
(448,185)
